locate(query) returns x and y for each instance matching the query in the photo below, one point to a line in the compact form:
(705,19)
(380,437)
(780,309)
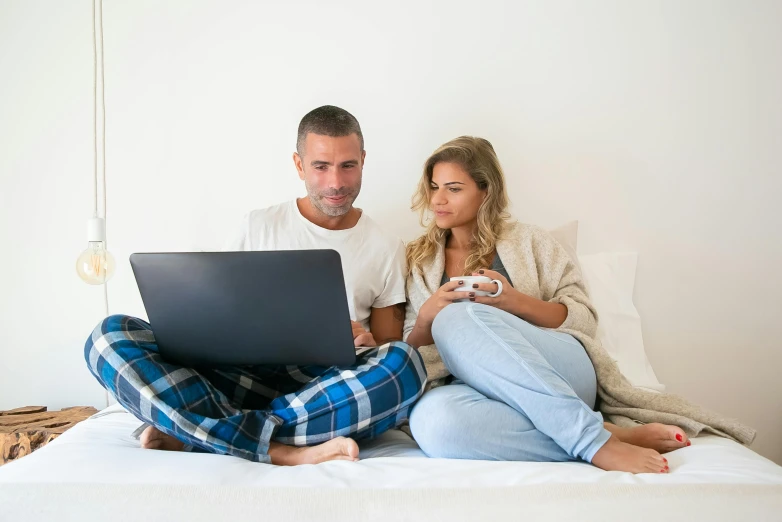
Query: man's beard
(318,202)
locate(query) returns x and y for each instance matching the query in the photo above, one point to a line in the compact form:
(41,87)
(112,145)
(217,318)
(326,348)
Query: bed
(97,471)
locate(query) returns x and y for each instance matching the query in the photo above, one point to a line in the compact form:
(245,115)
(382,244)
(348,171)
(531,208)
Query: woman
(524,389)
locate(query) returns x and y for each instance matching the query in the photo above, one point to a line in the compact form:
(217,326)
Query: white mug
(471,280)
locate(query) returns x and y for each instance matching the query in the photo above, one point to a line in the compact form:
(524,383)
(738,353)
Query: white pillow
(610,279)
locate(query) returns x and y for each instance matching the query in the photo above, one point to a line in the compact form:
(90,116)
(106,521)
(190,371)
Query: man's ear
(363,157)
(298,162)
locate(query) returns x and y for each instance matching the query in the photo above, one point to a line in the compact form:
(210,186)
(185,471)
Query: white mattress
(96,469)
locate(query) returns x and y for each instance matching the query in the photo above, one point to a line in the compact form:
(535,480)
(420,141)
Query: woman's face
(455,197)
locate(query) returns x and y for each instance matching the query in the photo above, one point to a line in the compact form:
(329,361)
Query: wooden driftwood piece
(24,430)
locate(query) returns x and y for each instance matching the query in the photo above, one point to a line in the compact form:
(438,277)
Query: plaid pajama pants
(239,410)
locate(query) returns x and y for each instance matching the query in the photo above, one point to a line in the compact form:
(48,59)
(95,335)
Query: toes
(678,435)
(658,466)
(656,459)
(661,463)
(350,448)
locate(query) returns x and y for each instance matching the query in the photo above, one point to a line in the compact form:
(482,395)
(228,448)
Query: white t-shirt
(373,262)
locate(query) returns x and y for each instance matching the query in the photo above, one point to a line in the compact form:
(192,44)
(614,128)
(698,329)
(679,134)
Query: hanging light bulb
(96,264)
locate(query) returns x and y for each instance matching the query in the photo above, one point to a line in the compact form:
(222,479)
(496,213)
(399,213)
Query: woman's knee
(487,315)
(448,325)
(452,314)
(458,322)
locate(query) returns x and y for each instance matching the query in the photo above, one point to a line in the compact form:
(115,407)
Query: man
(285,415)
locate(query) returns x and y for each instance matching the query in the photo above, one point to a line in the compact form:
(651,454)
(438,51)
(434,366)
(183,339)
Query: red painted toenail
(689,443)
(679,437)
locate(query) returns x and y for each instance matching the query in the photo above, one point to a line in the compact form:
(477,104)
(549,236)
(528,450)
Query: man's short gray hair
(328,121)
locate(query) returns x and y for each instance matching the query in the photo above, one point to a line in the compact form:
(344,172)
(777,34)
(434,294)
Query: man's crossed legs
(278,414)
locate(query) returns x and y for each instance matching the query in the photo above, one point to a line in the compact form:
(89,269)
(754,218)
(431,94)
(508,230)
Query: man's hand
(361,337)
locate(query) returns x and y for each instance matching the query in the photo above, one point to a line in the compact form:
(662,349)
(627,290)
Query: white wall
(656,124)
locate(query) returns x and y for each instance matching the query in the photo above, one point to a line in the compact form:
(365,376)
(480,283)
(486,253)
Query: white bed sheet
(102,449)
(100,455)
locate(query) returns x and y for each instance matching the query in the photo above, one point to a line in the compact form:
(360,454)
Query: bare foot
(659,437)
(153,438)
(340,448)
(616,455)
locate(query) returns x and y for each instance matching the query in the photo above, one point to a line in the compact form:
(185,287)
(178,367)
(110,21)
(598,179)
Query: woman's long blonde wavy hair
(477,157)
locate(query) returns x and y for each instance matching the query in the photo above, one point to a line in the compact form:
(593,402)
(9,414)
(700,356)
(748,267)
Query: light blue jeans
(522,392)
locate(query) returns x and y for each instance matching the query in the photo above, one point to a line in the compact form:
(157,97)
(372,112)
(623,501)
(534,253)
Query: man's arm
(386,323)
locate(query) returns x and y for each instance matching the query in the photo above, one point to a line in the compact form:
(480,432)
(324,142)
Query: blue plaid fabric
(239,410)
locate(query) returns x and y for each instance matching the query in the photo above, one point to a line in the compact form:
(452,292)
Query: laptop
(247,308)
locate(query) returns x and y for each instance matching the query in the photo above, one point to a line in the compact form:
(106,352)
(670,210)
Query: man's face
(331,169)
